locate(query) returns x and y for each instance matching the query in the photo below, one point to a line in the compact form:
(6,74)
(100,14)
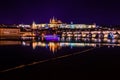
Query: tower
(34,25)
(50,21)
(53,20)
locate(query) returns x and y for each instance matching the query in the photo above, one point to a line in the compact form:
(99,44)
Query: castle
(54,23)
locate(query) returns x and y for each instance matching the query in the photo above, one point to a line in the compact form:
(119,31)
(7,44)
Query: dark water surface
(65,60)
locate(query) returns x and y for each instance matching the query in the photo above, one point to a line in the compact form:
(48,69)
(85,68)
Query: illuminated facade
(77,26)
(9,32)
(23,26)
(54,23)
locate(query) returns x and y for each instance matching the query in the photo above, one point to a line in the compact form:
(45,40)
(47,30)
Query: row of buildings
(54,23)
(28,30)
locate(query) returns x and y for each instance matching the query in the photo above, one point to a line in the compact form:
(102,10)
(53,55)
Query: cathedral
(53,23)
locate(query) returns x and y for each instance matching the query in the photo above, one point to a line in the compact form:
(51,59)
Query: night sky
(78,11)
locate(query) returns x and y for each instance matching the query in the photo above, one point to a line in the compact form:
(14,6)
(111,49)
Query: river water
(70,53)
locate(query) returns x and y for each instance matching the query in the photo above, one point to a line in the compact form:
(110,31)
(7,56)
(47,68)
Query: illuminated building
(24,26)
(54,23)
(77,26)
(9,32)
(34,26)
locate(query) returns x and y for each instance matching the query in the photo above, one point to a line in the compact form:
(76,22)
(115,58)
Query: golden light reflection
(55,46)
(34,44)
(2,43)
(52,46)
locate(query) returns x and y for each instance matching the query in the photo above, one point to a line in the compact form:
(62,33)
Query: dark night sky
(78,11)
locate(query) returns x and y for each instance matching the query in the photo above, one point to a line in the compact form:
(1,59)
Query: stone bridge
(105,33)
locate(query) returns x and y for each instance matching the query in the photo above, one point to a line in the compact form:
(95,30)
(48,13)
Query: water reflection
(3,43)
(65,42)
(54,46)
(83,42)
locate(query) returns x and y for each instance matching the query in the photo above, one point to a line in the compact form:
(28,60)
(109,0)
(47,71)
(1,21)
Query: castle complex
(54,23)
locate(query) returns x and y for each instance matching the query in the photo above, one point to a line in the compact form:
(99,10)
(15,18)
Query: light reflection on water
(57,45)
(54,46)
(26,51)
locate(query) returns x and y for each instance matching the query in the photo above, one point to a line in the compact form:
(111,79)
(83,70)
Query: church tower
(50,21)
(34,25)
(53,20)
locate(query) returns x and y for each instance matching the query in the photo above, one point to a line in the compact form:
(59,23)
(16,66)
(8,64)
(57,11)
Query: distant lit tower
(53,20)
(71,22)
(94,25)
(50,21)
(34,25)
(71,25)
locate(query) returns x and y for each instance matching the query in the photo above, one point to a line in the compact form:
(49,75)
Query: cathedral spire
(53,21)
(50,21)
(33,25)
